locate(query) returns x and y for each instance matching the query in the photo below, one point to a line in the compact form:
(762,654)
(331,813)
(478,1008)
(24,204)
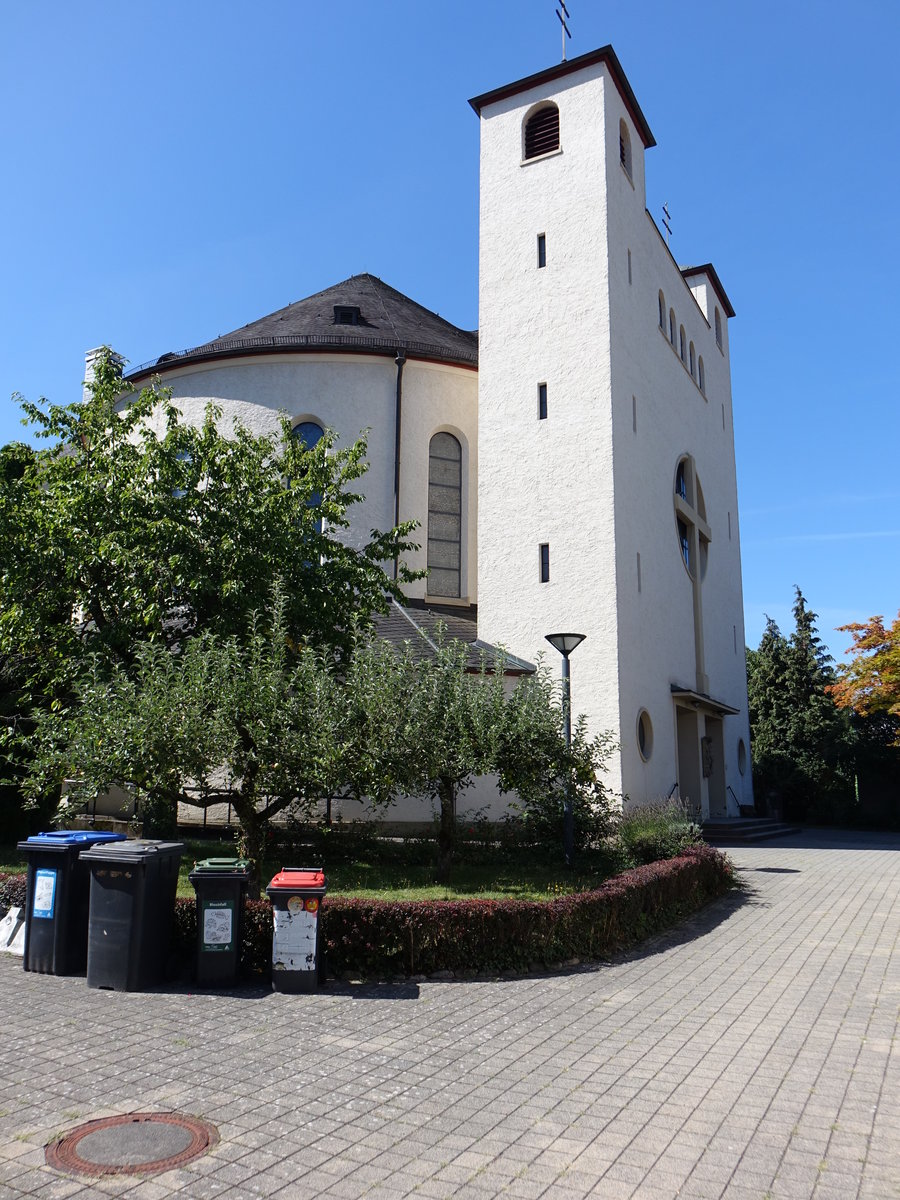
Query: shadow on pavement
(817,838)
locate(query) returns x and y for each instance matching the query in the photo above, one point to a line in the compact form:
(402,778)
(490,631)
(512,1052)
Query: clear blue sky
(174,170)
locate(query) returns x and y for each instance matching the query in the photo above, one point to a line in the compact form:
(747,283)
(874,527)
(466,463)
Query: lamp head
(565,643)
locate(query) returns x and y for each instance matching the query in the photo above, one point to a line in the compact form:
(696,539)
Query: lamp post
(565,643)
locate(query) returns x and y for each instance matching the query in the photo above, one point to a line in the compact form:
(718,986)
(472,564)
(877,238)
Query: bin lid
(221,866)
(132,850)
(298,879)
(69,837)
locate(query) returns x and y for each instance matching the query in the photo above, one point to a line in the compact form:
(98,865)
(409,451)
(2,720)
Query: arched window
(672,326)
(682,345)
(693,361)
(718,329)
(310,433)
(662,312)
(542,131)
(701,375)
(625,147)
(690,518)
(444,515)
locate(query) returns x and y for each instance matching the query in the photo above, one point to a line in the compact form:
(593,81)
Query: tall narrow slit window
(309,433)
(444,516)
(662,312)
(625,148)
(542,402)
(672,326)
(542,131)
(544,557)
(542,250)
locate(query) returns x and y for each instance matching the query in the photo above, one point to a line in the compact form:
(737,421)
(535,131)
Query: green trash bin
(221,887)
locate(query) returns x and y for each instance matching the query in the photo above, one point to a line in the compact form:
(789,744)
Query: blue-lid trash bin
(56,905)
(221,887)
(133,886)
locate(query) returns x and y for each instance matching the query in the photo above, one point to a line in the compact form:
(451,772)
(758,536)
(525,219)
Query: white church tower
(607,498)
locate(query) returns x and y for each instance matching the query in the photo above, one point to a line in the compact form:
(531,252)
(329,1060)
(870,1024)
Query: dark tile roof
(388,321)
(420,627)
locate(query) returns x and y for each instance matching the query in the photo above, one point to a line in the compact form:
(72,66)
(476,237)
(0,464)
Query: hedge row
(380,939)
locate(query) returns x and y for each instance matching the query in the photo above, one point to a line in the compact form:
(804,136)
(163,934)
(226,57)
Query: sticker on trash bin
(311,905)
(294,940)
(295,904)
(44,893)
(218,925)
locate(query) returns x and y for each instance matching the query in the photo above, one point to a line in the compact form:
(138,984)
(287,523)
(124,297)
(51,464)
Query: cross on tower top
(563,16)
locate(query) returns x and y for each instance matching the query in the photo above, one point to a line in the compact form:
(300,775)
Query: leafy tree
(802,744)
(134,526)
(870,683)
(251,722)
(458,724)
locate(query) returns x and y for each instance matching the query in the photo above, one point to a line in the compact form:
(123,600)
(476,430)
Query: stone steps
(745,829)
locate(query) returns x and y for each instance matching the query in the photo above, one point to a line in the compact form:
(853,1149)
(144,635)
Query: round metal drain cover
(134,1144)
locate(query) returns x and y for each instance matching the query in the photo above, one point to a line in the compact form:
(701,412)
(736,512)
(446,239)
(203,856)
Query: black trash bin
(56,906)
(298,963)
(221,887)
(133,887)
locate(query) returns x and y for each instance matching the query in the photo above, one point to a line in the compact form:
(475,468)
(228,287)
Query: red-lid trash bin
(298,955)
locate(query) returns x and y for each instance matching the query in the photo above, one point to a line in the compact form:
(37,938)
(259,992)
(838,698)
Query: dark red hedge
(379,938)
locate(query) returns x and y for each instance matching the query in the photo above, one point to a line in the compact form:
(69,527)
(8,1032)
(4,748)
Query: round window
(742,757)
(644,734)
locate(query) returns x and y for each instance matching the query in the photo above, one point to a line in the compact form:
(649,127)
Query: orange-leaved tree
(870,682)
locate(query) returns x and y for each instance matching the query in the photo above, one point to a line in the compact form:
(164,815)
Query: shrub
(657,831)
(12,892)
(381,938)
(377,938)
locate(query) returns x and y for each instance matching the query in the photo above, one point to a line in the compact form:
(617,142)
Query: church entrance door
(690,783)
(714,767)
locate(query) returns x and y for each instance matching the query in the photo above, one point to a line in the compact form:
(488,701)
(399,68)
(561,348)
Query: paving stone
(750,1046)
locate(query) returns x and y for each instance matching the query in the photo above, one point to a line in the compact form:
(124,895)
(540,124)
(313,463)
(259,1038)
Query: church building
(571,463)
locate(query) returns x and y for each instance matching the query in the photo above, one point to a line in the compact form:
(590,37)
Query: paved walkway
(750,1054)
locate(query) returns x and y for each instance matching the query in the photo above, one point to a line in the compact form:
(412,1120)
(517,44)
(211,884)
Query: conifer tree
(802,743)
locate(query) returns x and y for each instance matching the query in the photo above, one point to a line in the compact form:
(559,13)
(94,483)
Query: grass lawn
(390,872)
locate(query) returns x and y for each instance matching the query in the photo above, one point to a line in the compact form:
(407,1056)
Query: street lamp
(565,643)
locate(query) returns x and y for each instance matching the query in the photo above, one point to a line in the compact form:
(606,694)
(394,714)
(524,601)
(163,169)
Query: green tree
(250,721)
(455,724)
(135,526)
(802,744)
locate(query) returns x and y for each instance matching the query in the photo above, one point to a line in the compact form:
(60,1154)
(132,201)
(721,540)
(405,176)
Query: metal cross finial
(565,29)
(667,217)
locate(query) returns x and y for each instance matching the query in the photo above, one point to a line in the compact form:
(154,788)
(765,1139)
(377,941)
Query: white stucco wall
(660,415)
(548,481)
(351,393)
(596,479)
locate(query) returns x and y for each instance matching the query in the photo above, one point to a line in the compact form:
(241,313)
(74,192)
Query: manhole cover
(134,1144)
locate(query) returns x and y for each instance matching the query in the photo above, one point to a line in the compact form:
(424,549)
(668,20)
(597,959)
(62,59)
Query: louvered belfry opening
(542,132)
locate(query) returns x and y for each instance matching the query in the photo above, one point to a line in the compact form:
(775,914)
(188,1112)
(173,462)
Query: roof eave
(710,270)
(606,55)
